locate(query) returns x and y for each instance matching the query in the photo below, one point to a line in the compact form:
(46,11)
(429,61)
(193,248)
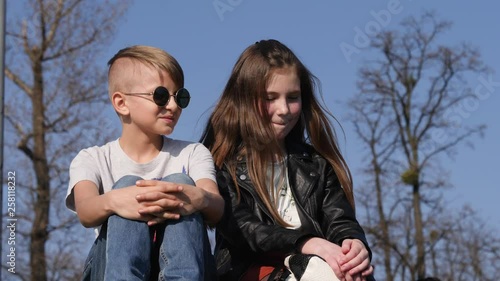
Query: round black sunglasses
(161,96)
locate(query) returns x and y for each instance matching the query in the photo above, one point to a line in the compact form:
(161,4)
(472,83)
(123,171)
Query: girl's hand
(349,263)
(356,260)
(327,250)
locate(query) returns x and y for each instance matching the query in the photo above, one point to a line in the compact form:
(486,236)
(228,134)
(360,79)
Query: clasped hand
(350,262)
(157,201)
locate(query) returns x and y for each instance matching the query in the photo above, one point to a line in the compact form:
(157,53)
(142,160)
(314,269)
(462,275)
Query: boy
(145,189)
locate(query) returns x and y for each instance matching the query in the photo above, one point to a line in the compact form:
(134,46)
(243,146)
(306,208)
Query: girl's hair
(238,129)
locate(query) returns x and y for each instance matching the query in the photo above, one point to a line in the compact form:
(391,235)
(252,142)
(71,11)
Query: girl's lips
(280,123)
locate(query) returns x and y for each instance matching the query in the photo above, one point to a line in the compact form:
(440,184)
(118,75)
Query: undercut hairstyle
(150,56)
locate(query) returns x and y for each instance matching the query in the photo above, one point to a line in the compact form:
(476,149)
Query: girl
(287,188)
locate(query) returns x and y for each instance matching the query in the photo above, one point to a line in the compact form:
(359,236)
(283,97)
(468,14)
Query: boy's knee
(179,178)
(196,216)
(125,181)
(192,222)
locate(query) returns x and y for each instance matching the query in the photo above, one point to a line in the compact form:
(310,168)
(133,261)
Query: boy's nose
(171,104)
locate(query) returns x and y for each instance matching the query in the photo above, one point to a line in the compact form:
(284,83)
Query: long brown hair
(237,128)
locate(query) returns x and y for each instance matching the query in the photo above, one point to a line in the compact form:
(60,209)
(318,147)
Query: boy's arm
(93,209)
(213,206)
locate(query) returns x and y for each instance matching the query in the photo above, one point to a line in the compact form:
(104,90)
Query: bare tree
(54,100)
(403,114)
(373,128)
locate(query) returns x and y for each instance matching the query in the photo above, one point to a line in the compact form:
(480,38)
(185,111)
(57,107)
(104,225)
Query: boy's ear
(119,103)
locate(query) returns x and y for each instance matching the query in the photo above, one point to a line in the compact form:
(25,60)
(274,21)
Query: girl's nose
(282,107)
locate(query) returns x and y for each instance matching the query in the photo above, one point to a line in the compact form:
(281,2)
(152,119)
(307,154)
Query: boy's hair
(151,56)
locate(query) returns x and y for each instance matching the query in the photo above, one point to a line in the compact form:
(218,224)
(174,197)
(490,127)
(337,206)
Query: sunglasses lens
(182,98)
(161,96)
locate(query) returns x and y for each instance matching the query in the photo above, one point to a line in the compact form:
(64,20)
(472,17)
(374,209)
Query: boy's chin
(166,132)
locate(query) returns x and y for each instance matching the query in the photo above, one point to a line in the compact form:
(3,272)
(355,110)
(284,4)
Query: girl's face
(283,101)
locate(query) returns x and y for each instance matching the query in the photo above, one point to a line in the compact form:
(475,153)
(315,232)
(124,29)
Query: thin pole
(2,90)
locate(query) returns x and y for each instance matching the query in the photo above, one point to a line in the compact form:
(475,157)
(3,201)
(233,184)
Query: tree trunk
(419,232)
(384,227)
(39,231)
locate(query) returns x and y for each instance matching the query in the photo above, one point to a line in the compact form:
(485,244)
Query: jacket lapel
(302,176)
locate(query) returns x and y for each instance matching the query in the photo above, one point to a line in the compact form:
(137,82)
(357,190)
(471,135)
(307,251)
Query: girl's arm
(239,223)
(342,228)
(339,219)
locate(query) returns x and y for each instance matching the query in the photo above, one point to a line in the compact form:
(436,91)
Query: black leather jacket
(247,230)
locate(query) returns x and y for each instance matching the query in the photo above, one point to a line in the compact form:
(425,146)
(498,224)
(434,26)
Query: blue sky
(208,36)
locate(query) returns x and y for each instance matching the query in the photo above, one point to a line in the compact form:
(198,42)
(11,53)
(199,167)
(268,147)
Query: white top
(106,164)
(285,201)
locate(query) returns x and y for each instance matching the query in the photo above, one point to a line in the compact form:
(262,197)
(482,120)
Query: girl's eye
(294,97)
(270,98)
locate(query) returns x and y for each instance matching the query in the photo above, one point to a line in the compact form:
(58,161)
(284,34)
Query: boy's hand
(94,209)
(166,200)
(126,205)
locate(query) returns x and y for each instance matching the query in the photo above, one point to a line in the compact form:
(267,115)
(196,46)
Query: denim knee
(179,178)
(125,181)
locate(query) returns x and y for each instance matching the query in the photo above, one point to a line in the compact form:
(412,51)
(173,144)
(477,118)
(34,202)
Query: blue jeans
(124,249)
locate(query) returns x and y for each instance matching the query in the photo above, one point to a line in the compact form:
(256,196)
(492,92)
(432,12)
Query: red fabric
(257,272)
(264,267)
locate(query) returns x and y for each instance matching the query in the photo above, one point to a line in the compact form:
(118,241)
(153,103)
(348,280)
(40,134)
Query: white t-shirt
(104,165)
(285,201)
